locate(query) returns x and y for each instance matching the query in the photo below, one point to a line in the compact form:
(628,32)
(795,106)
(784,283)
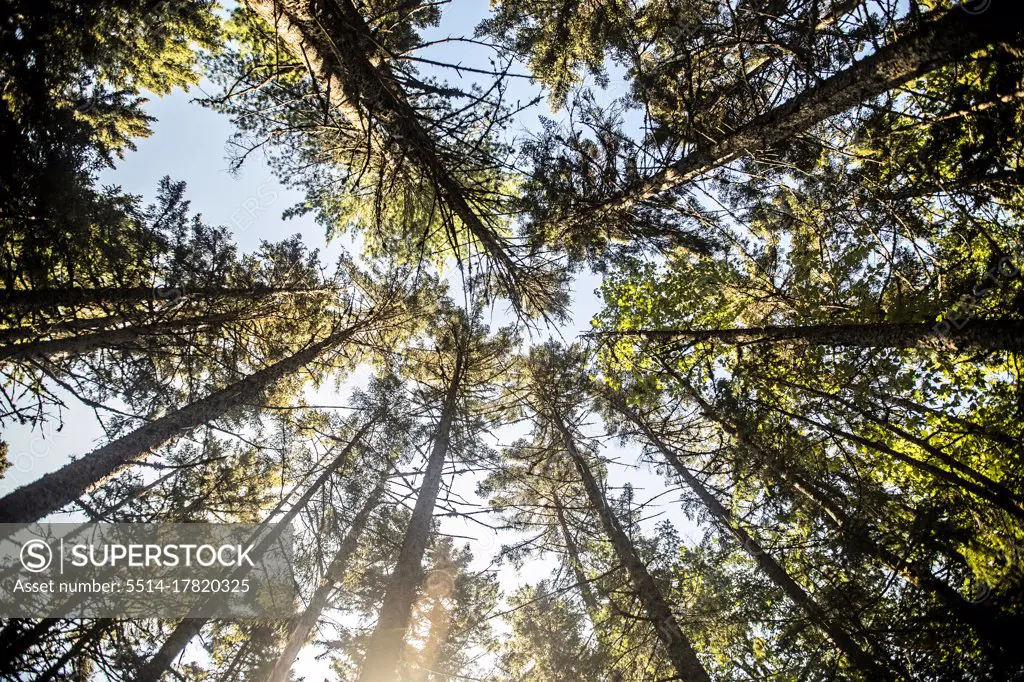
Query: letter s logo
(36,556)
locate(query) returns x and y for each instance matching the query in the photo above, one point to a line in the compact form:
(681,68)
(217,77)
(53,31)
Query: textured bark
(55,490)
(853,652)
(573,554)
(974,336)
(943,38)
(300,630)
(677,646)
(918,576)
(124,338)
(335,42)
(387,643)
(188,628)
(995,488)
(49,298)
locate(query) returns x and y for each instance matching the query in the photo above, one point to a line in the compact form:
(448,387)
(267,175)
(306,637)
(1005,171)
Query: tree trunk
(300,630)
(918,576)
(857,657)
(387,643)
(334,41)
(189,627)
(976,336)
(124,338)
(29,332)
(62,487)
(33,299)
(573,554)
(677,645)
(1000,500)
(943,38)
(997,489)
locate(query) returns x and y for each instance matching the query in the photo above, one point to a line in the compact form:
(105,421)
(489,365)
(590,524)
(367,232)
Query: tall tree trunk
(857,657)
(680,652)
(1000,500)
(974,336)
(573,554)
(188,628)
(944,37)
(966,425)
(298,633)
(334,41)
(997,489)
(123,337)
(44,299)
(29,332)
(62,487)
(918,576)
(387,643)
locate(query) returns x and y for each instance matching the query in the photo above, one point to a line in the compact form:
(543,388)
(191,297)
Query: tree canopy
(788,444)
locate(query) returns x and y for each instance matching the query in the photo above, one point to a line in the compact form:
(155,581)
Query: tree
(456,377)
(54,490)
(551,384)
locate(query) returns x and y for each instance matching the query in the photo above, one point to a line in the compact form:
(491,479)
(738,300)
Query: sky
(190,143)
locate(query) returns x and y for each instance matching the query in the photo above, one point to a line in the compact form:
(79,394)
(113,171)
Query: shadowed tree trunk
(300,630)
(573,553)
(943,37)
(853,652)
(124,338)
(1000,499)
(55,490)
(188,628)
(995,488)
(30,299)
(918,576)
(677,646)
(387,643)
(974,336)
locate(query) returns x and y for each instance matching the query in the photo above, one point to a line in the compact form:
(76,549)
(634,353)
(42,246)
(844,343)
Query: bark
(677,646)
(997,489)
(334,41)
(943,38)
(916,575)
(76,296)
(387,643)
(976,336)
(300,630)
(188,628)
(123,338)
(30,332)
(55,490)
(573,553)
(1001,500)
(857,657)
